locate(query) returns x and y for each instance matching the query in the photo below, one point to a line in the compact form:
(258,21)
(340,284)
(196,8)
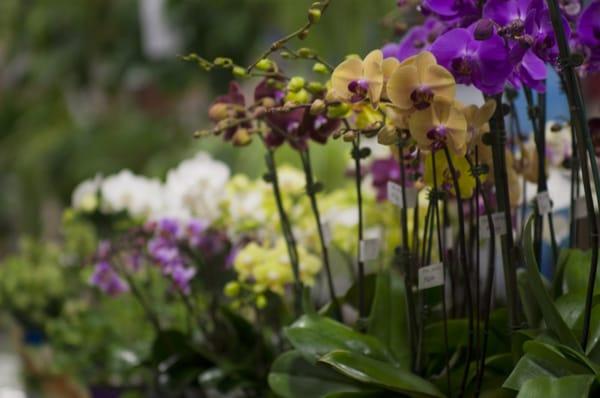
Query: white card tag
(395,195)
(580,208)
(544,206)
(369,249)
(326,228)
(431,276)
(499,225)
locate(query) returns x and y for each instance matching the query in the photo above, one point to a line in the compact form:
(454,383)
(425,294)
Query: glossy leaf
(551,316)
(381,374)
(577,271)
(315,336)
(388,321)
(549,387)
(571,305)
(292,376)
(530,306)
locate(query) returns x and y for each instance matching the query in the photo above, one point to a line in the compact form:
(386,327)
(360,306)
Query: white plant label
(544,205)
(326,228)
(431,276)
(395,195)
(580,208)
(369,249)
(499,225)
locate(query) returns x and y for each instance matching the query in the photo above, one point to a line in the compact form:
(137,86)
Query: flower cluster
(489,44)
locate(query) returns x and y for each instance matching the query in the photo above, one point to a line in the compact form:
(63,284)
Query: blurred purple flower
(108,280)
(588,26)
(417,39)
(181,277)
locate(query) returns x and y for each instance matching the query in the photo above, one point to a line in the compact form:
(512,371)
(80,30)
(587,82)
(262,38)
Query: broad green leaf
(530,306)
(593,348)
(577,272)
(544,360)
(561,262)
(315,336)
(381,374)
(551,316)
(571,306)
(549,387)
(292,376)
(388,321)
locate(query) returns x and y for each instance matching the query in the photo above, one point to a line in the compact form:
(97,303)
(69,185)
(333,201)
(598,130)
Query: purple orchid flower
(528,69)
(182,277)
(482,63)
(588,26)
(417,39)
(108,280)
(453,9)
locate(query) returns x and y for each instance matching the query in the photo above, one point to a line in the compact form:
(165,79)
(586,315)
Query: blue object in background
(557,107)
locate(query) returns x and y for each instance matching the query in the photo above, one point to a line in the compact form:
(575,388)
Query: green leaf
(571,305)
(388,321)
(381,374)
(549,387)
(315,336)
(577,271)
(544,360)
(561,262)
(530,307)
(551,316)
(292,376)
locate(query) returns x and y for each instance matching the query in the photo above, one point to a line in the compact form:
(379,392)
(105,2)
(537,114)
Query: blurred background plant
(97,86)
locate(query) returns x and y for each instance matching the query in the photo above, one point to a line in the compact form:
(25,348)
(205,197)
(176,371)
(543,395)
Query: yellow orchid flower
(443,175)
(439,125)
(355,80)
(417,81)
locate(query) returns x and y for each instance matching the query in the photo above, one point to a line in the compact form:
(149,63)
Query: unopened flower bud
(337,111)
(302,35)
(264,64)
(387,135)
(306,52)
(296,84)
(349,136)
(315,87)
(484,29)
(224,62)
(218,112)
(232,289)
(238,71)
(318,107)
(320,68)
(242,137)
(268,102)
(261,302)
(314,15)
(300,97)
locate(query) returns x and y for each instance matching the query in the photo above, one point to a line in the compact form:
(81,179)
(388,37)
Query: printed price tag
(326,228)
(369,249)
(499,225)
(395,195)
(431,276)
(544,205)
(580,208)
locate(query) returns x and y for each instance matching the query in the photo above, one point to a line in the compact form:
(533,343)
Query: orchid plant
(426,274)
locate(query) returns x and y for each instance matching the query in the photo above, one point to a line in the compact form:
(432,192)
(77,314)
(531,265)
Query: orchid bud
(218,112)
(306,52)
(349,136)
(320,68)
(314,15)
(296,84)
(232,289)
(315,87)
(302,35)
(264,65)
(242,137)
(387,135)
(238,71)
(318,107)
(224,62)
(337,111)
(484,29)
(300,97)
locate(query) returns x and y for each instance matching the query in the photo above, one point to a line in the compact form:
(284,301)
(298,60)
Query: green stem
(465,268)
(286,229)
(311,190)
(498,134)
(404,254)
(362,310)
(579,118)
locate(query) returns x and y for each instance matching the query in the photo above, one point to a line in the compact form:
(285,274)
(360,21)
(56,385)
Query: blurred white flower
(125,191)
(195,188)
(558,142)
(85,195)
